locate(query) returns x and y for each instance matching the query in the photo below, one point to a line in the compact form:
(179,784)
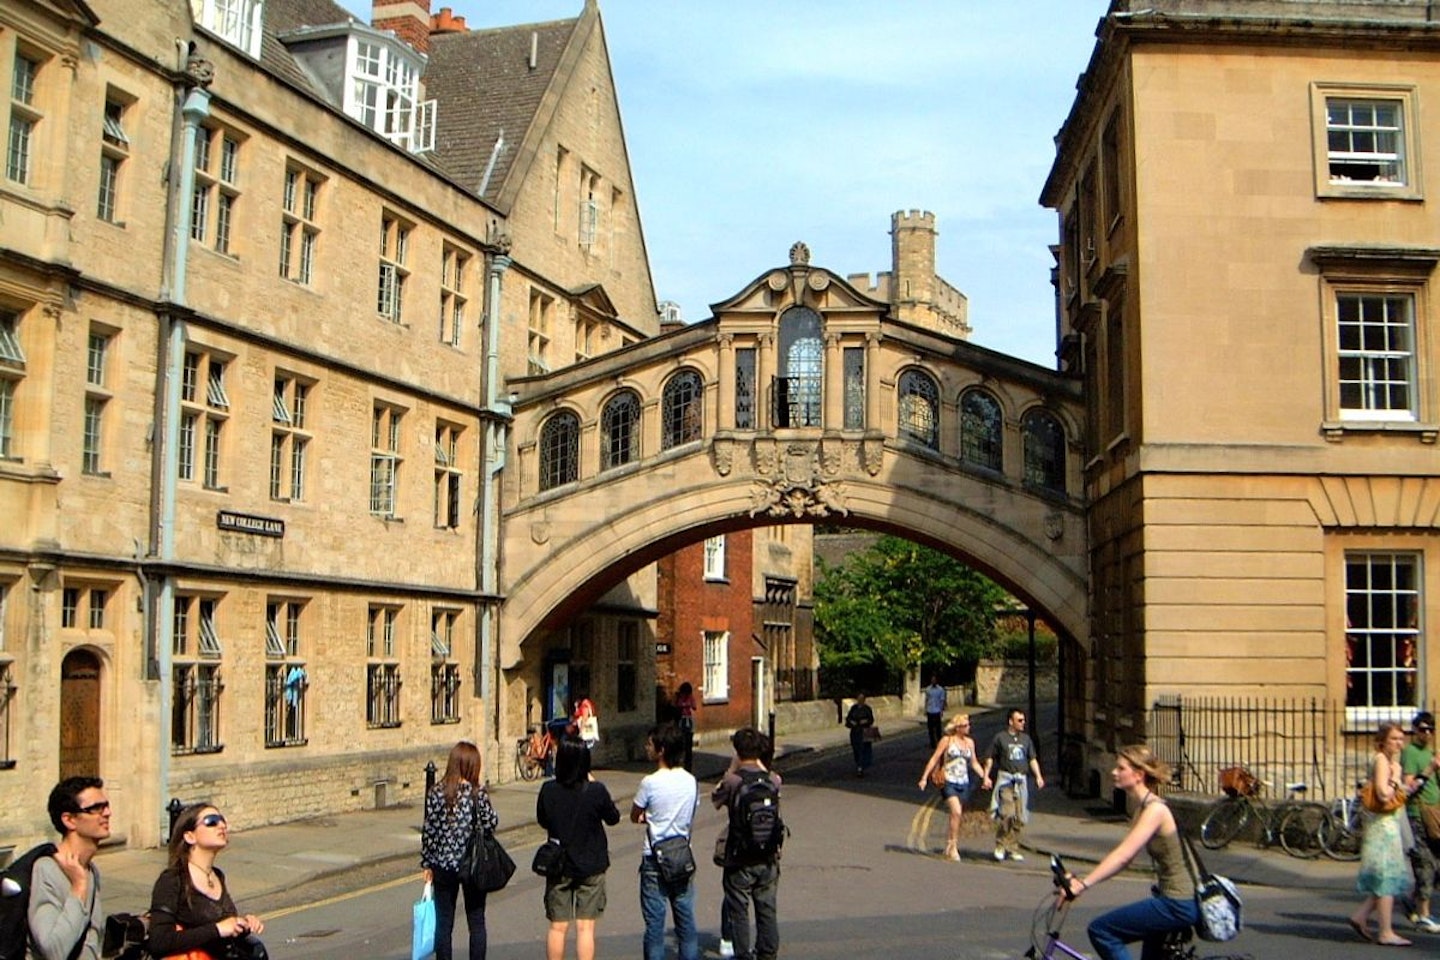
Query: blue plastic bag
(422,932)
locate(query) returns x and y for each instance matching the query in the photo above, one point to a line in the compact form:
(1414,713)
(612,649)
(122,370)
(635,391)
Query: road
(861,878)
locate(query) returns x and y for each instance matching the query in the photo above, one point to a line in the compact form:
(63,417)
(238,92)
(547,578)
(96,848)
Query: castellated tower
(918,294)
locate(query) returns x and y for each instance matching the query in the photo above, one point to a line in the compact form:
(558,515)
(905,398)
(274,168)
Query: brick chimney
(410,19)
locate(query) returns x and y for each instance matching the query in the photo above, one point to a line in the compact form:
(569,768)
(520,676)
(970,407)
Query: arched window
(680,409)
(797,390)
(620,431)
(1044,451)
(919,409)
(981,440)
(559,451)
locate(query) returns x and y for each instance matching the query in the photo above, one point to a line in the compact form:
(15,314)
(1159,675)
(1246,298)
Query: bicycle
(1343,827)
(1297,825)
(532,753)
(1050,917)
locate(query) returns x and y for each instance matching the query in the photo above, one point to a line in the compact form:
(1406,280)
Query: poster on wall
(559,691)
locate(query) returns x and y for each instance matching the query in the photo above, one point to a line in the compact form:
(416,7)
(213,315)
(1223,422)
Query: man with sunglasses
(1010,759)
(1417,761)
(65,917)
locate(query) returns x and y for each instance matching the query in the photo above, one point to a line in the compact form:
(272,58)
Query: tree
(901,605)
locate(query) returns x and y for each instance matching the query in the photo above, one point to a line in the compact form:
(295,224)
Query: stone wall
(1008,681)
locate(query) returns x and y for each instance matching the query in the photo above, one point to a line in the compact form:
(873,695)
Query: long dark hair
(572,762)
(462,767)
(179,853)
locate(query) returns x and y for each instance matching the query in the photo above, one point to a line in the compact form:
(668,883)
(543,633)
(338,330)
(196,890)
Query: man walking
(754,833)
(64,916)
(935,700)
(1011,756)
(1418,760)
(665,802)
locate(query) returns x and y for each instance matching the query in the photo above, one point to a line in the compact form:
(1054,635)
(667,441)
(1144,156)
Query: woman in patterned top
(455,808)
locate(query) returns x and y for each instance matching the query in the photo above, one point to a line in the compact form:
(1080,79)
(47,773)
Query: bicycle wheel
(1301,830)
(1341,836)
(531,768)
(1224,822)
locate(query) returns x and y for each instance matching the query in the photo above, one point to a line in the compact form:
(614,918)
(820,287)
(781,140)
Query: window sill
(713,700)
(437,723)
(717,580)
(195,751)
(279,744)
(388,517)
(98,474)
(1335,430)
(383,726)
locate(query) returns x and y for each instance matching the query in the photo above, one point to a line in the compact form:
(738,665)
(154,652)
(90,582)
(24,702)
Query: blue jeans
(447,890)
(758,884)
(1149,920)
(654,894)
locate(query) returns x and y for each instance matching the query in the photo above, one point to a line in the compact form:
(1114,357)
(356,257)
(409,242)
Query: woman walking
(574,809)
(1384,867)
(190,905)
(861,720)
(456,809)
(1152,828)
(956,752)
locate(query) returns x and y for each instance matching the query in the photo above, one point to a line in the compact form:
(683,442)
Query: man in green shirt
(1418,760)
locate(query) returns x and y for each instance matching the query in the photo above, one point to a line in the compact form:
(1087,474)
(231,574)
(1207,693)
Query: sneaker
(999,853)
(1017,855)
(1428,924)
(727,949)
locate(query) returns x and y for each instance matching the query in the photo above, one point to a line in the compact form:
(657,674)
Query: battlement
(912,220)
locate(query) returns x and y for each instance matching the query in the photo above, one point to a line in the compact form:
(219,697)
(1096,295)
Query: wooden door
(80,715)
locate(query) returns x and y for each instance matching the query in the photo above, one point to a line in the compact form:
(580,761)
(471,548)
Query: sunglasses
(1424,729)
(102,807)
(212,820)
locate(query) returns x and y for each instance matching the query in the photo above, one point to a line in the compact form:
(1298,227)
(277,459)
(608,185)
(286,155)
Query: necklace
(208,872)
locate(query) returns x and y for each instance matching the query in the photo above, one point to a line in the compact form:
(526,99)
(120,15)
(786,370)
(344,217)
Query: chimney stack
(446,22)
(410,19)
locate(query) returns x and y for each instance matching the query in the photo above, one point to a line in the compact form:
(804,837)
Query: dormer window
(237,22)
(384,93)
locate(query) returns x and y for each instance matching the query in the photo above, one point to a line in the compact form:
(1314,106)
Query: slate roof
(282,16)
(485,89)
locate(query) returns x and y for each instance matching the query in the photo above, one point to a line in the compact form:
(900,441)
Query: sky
(752,124)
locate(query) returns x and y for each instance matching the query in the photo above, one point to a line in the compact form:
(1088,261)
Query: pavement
(268,866)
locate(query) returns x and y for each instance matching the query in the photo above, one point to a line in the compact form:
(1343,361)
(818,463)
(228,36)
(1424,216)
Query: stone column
(725,416)
(764,387)
(872,381)
(832,393)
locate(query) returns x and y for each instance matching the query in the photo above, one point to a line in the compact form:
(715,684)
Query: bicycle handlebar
(1061,876)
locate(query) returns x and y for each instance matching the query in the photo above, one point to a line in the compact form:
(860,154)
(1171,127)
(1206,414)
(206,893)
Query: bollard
(429,777)
(173,808)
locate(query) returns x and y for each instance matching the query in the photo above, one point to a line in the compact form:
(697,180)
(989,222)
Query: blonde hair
(1383,734)
(953,726)
(1140,757)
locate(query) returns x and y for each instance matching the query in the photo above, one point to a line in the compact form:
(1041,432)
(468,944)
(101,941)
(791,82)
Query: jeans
(864,751)
(934,726)
(1149,920)
(447,890)
(654,895)
(759,884)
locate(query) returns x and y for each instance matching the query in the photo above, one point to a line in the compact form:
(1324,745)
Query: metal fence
(1308,741)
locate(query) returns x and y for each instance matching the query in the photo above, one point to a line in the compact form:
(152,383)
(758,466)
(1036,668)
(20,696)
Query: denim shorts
(960,791)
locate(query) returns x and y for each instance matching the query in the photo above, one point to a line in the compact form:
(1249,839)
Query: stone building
(1245,258)
(263,269)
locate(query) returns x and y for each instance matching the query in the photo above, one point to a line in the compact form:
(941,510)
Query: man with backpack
(64,917)
(751,858)
(665,802)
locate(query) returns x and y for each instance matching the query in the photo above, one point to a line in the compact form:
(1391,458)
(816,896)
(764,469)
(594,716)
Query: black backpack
(15,902)
(756,830)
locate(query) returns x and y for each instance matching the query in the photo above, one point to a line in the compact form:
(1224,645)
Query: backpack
(756,830)
(15,902)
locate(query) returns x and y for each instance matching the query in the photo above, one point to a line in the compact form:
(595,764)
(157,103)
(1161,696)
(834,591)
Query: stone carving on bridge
(723,450)
(872,454)
(1054,525)
(793,485)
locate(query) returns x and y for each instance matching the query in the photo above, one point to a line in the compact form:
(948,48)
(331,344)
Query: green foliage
(901,605)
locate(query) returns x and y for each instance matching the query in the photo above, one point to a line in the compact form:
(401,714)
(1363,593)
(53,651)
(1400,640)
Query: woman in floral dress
(1384,867)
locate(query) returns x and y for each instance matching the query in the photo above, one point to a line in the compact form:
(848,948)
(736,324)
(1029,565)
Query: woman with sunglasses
(955,754)
(190,907)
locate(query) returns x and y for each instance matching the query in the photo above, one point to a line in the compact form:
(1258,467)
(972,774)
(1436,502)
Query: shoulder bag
(1218,900)
(673,857)
(549,860)
(485,864)
(1371,801)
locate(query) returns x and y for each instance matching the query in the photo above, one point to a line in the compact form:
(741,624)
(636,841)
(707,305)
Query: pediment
(592,298)
(799,284)
(73,11)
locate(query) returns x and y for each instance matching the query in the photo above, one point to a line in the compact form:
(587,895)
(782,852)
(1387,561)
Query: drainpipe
(195,108)
(494,462)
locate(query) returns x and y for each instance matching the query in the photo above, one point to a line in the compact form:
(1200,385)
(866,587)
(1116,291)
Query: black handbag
(674,859)
(124,937)
(549,860)
(485,863)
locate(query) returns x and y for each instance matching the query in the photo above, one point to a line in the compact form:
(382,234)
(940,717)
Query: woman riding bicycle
(1152,827)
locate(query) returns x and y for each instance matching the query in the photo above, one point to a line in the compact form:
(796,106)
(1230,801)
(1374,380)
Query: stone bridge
(801,400)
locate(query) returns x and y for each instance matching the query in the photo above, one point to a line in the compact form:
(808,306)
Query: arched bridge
(800,400)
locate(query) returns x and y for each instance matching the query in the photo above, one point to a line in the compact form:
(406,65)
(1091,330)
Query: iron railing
(1281,741)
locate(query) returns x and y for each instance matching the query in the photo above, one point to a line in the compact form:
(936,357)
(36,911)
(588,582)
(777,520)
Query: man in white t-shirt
(665,803)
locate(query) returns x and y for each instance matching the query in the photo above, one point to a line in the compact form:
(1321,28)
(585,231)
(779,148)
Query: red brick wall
(689,605)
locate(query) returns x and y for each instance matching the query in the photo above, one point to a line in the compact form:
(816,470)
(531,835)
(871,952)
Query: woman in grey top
(1152,827)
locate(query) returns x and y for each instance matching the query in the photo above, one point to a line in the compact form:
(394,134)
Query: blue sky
(755,123)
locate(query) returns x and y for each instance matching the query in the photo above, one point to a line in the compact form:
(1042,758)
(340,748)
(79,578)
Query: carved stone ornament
(767,457)
(818,280)
(723,449)
(540,531)
(799,254)
(776,281)
(872,454)
(200,71)
(1054,526)
(781,499)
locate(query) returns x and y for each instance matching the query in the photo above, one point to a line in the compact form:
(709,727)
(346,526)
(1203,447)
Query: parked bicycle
(532,753)
(1045,942)
(1341,837)
(1299,826)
